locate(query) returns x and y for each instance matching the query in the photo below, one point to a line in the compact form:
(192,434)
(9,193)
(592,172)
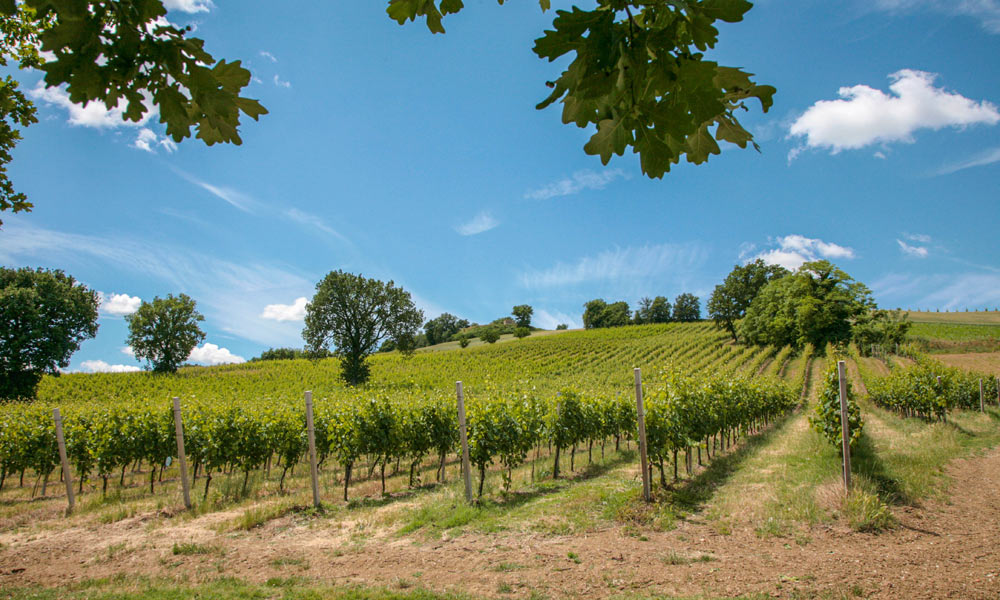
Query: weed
(191,549)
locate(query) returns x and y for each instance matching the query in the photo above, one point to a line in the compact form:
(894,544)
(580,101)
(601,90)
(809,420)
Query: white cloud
(918,237)
(982,159)
(188,6)
(281,83)
(268,56)
(148,140)
(99,366)
(482,222)
(916,251)
(793,250)
(128,351)
(579,181)
(865,116)
(987,12)
(119,304)
(621,264)
(94,114)
(295,311)
(210,354)
(549,320)
(304,218)
(229,195)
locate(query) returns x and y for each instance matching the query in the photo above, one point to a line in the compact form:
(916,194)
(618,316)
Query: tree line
(598,313)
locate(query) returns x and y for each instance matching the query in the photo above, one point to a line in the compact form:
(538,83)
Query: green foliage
(355,314)
(731,299)
(464,339)
(687,308)
(522,332)
(45,316)
(290,354)
(814,305)
(827,418)
(443,328)
(598,313)
(878,327)
(118,53)
(930,389)
(562,327)
(489,334)
(656,310)
(522,315)
(165,331)
(638,75)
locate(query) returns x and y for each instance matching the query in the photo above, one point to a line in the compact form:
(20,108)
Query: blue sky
(403,155)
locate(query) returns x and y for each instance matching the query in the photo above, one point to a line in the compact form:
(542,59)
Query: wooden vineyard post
(982,400)
(640,412)
(67,475)
(181,457)
(311,434)
(844,425)
(464,439)
(998,391)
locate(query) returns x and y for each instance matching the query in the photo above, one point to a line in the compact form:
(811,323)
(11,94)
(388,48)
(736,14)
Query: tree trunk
(555,465)
(45,483)
(413,467)
(441,469)
(572,458)
(104,490)
(246,478)
(675,464)
(152,480)
(590,452)
(208,480)
(121,482)
(281,484)
(482,478)
(382,471)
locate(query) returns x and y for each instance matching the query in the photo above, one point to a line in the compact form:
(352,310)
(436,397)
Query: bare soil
(940,550)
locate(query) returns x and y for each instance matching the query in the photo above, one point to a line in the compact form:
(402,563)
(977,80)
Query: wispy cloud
(93,114)
(576,183)
(229,294)
(311,220)
(794,250)
(987,157)
(481,223)
(148,141)
(987,12)
(549,320)
(956,291)
(620,264)
(296,311)
(268,56)
(865,116)
(278,81)
(915,251)
(234,197)
(917,237)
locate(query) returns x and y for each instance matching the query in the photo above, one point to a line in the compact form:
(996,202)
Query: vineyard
(561,392)
(743,447)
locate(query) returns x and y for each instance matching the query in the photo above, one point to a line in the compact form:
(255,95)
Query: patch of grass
(255,516)
(867,512)
(506,567)
(290,561)
(675,558)
(194,549)
(119,512)
(573,556)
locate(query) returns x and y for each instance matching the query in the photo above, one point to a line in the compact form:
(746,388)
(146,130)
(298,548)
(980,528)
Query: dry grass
(975,318)
(976,361)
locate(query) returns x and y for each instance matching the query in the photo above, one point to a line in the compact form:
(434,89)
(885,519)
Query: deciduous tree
(687,307)
(45,315)
(522,315)
(730,299)
(354,314)
(165,331)
(443,328)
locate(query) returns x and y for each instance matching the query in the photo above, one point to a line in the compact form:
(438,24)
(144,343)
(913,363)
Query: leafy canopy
(687,307)
(522,315)
(118,53)
(165,331)
(354,314)
(639,75)
(45,316)
(816,305)
(731,299)
(443,328)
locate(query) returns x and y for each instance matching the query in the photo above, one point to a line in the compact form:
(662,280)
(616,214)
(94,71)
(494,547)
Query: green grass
(974,317)
(194,549)
(945,337)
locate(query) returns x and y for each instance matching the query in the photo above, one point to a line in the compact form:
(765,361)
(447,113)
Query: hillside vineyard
(561,392)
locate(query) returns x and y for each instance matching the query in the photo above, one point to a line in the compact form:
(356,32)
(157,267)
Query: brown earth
(985,362)
(940,550)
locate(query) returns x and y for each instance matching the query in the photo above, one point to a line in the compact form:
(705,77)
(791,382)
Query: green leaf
(730,11)
(611,138)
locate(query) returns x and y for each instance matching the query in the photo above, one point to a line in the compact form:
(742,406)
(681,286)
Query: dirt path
(940,551)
